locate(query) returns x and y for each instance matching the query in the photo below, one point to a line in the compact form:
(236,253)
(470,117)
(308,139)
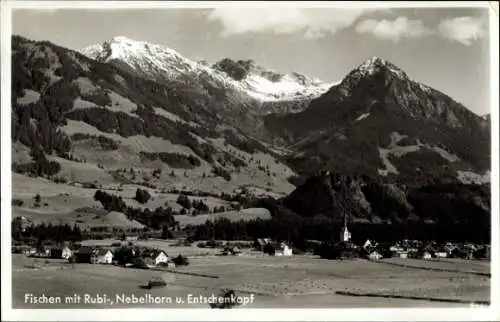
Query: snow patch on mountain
(362,116)
(173,117)
(287,88)
(159,61)
(370,67)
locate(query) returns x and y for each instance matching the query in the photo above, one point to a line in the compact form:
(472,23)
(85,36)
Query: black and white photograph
(249,156)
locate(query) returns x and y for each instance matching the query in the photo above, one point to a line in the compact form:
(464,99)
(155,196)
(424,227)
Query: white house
(66,253)
(441,254)
(101,256)
(374,255)
(160,257)
(427,255)
(403,254)
(282,250)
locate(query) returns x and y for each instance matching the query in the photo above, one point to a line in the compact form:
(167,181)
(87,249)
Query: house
(101,256)
(29,251)
(232,250)
(278,249)
(402,254)
(458,253)
(26,250)
(426,255)
(154,257)
(66,252)
(346,250)
(440,252)
(482,253)
(367,244)
(374,255)
(131,238)
(60,252)
(260,243)
(83,255)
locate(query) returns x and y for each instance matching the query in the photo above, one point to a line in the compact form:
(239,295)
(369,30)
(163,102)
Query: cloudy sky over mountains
(446,48)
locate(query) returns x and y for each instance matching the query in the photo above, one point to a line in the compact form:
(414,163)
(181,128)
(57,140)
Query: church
(345,234)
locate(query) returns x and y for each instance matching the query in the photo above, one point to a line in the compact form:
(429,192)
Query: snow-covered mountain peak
(160,62)
(141,56)
(376,64)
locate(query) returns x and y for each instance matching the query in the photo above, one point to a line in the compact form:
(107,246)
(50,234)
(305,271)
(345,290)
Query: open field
(245,214)
(298,281)
(166,245)
(453,264)
(63,204)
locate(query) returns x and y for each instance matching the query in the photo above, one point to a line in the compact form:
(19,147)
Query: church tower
(345,234)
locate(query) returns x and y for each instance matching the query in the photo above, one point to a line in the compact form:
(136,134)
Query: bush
(142,196)
(184,201)
(181,260)
(17,202)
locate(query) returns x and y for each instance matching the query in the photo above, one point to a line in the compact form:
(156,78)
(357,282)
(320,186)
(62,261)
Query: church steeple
(345,234)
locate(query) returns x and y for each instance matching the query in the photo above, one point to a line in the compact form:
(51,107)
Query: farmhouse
(132,238)
(278,249)
(60,252)
(26,250)
(101,256)
(368,244)
(231,250)
(375,255)
(402,254)
(83,255)
(260,243)
(441,253)
(283,250)
(426,254)
(154,257)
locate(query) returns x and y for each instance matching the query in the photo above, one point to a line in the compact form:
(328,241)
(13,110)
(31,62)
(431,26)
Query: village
(277,272)
(126,253)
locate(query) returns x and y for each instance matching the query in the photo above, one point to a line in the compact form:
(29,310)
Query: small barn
(278,249)
(60,252)
(83,255)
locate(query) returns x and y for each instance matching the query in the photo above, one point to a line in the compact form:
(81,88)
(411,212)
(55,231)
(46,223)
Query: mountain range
(126,103)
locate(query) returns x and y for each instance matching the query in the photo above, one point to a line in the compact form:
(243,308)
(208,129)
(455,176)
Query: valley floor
(276,282)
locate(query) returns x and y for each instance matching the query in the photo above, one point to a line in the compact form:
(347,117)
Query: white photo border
(358,314)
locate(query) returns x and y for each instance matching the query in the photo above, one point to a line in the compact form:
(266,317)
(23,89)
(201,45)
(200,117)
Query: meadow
(298,281)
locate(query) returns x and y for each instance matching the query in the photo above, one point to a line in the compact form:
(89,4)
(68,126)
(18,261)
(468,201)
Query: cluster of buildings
(270,247)
(148,257)
(418,249)
(415,249)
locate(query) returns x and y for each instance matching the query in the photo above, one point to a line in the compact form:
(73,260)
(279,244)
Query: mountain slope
(445,207)
(379,121)
(67,106)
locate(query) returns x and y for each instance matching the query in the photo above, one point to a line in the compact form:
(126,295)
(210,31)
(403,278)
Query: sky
(445,48)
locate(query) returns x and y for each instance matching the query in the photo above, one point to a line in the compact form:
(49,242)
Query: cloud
(394,30)
(313,22)
(464,30)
